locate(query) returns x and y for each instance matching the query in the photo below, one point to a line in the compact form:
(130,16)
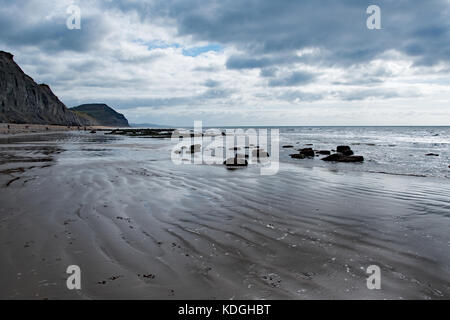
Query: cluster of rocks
(343,154)
(239,159)
(147,133)
(304,153)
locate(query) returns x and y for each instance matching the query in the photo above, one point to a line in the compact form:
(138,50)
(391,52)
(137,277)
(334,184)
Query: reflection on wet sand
(141,227)
(15,159)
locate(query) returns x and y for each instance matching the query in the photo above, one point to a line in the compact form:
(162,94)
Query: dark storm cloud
(19,29)
(244,62)
(267,32)
(259,28)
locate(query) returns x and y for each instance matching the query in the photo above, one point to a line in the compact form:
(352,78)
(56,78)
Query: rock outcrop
(345,150)
(103,114)
(339,157)
(24,101)
(304,153)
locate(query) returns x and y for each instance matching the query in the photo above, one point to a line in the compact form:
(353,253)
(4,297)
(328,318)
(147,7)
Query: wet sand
(13,129)
(141,227)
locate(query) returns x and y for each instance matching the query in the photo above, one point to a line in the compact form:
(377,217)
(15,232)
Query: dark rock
(308,152)
(297,156)
(236,162)
(324,152)
(333,157)
(147,133)
(338,157)
(347,153)
(343,149)
(432,154)
(147,276)
(24,101)
(288,146)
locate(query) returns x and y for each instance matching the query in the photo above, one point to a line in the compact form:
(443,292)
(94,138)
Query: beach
(141,227)
(14,129)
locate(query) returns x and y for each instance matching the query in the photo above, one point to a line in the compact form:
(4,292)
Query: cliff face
(103,114)
(24,101)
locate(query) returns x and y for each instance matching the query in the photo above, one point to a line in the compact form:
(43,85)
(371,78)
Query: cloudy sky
(239,62)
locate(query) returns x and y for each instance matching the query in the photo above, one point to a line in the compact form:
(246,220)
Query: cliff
(103,114)
(24,101)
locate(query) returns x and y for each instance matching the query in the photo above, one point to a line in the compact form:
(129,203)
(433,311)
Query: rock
(24,101)
(308,152)
(347,153)
(324,152)
(297,156)
(432,154)
(345,150)
(304,153)
(148,133)
(103,114)
(333,157)
(339,157)
(342,149)
(288,146)
(235,162)
(93,131)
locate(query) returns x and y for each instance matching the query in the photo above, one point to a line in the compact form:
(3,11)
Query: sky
(240,62)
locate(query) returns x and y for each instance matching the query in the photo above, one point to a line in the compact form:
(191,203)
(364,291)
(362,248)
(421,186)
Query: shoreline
(14,129)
